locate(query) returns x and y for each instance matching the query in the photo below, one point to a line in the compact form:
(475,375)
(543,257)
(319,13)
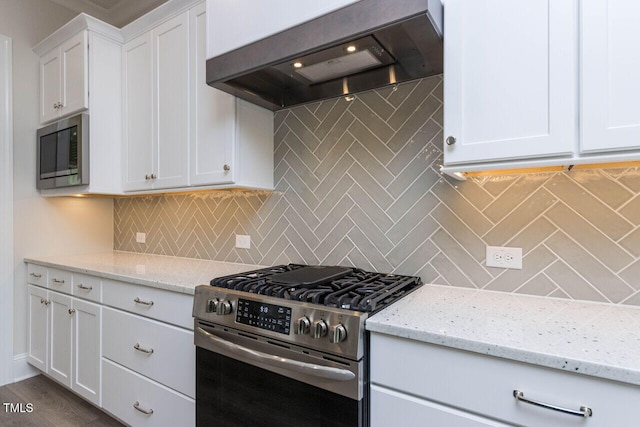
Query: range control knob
(302,326)
(224,307)
(338,333)
(319,329)
(212,305)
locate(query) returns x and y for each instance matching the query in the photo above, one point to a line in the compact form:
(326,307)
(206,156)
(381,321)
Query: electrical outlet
(243,242)
(504,257)
(141,237)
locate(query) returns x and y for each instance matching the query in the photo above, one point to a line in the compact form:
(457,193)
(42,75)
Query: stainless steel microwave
(63,153)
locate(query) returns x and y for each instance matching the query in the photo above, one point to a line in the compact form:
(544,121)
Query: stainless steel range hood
(366,45)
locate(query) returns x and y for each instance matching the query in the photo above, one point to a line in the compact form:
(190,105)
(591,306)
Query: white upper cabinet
(213,116)
(64,79)
(156,107)
(510,79)
(609,40)
(232,24)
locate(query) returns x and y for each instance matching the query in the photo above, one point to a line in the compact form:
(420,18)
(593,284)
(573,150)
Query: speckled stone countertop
(158,271)
(601,340)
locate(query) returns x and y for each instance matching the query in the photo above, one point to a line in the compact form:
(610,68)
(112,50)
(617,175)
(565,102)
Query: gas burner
(340,287)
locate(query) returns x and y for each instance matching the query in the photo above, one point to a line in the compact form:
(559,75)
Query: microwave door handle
(311,369)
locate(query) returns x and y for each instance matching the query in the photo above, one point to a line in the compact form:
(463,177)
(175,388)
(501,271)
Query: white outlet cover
(141,237)
(504,257)
(243,241)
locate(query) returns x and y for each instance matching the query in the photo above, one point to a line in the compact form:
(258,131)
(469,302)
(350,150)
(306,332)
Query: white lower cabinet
(64,340)
(124,347)
(436,385)
(139,401)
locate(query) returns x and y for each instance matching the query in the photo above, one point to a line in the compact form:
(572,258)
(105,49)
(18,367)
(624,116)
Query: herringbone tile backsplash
(358,183)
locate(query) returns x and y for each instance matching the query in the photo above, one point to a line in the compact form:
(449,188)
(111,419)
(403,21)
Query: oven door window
(234,393)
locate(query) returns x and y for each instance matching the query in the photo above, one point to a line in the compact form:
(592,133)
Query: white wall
(41,226)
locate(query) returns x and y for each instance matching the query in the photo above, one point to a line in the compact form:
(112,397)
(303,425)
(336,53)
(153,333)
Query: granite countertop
(601,340)
(158,271)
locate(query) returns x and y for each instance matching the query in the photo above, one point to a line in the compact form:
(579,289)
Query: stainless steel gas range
(286,345)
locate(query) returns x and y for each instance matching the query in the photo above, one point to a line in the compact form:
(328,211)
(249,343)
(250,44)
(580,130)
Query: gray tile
(631,179)
(448,270)
(369,250)
(461,207)
(461,258)
(540,285)
(302,189)
(532,264)
(633,300)
(631,275)
(333,117)
(377,103)
(438,91)
(631,242)
(271,256)
(412,217)
(301,228)
(412,151)
(301,245)
(371,120)
(322,109)
(602,186)
(411,240)
(298,149)
(366,203)
(532,235)
(459,231)
(572,283)
(471,191)
(514,195)
(302,170)
(306,116)
(596,212)
(412,102)
(370,163)
(359,260)
(338,253)
(294,200)
(519,218)
(427,274)
(631,210)
(371,141)
(371,186)
(496,185)
(333,238)
(398,93)
(416,190)
(405,177)
(590,238)
(336,163)
(610,285)
(370,229)
(302,132)
(337,212)
(333,195)
(414,123)
(335,137)
(415,262)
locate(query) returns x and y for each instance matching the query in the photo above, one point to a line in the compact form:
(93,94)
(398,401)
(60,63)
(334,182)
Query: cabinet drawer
(122,388)
(165,353)
(60,280)
(170,307)
(37,274)
(485,385)
(390,408)
(87,287)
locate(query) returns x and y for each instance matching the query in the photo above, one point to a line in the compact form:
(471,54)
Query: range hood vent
(366,45)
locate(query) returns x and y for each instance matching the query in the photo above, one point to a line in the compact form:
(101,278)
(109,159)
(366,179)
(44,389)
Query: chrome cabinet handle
(55,105)
(42,300)
(138,408)
(147,177)
(58,281)
(226,168)
(153,176)
(583,412)
(72,310)
(139,301)
(451,140)
(143,350)
(37,276)
(326,372)
(46,302)
(83,287)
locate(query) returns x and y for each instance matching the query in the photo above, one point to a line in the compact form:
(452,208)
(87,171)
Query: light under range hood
(366,45)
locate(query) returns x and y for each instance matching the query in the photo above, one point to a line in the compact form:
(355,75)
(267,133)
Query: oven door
(244,379)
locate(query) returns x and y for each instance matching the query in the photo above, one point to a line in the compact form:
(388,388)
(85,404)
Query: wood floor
(53,406)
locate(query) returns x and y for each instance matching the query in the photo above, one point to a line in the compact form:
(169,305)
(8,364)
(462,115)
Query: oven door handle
(312,369)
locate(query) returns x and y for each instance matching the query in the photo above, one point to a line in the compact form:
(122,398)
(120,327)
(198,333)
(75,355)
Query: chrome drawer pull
(58,281)
(138,408)
(139,301)
(583,412)
(37,276)
(83,287)
(143,350)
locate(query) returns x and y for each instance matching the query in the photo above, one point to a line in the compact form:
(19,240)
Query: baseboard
(21,369)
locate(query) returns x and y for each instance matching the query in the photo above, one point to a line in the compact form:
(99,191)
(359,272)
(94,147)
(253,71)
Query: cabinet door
(609,39)
(213,116)
(60,338)
(171,106)
(49,86)
(74,74)
(510,79)
(137,109)
(38,327)
(87,350)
